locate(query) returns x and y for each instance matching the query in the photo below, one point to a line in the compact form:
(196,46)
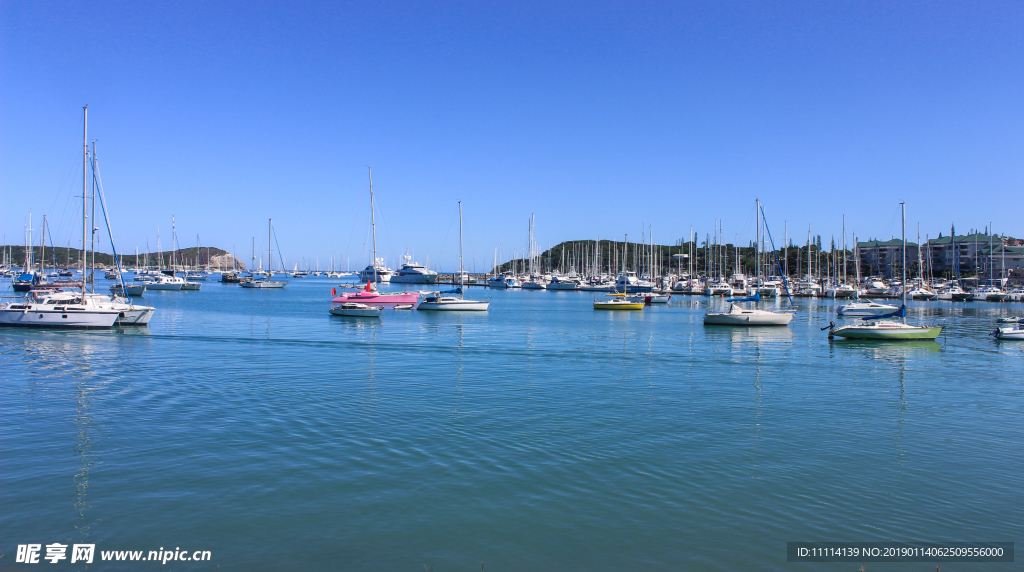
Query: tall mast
(42,253)
(373,226)
(903,226)
(270,247)
(461,275)
(844,249)
(85,183)
(92,227)
(174,242)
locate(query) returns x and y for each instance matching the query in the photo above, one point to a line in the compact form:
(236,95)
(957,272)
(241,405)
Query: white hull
(135,317)
(263,284)
(367,312)
(52,318)
(563,286)
(1009,333)
(455,304)
(747,320)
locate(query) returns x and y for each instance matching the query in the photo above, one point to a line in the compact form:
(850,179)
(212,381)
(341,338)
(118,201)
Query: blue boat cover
(755,298)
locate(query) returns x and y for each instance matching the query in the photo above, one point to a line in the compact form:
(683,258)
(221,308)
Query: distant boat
(262,280)
(128,290)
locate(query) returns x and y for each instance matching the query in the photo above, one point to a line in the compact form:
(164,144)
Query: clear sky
(600,117)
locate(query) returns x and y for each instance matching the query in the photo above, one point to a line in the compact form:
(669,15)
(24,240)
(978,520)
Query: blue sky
(600,117)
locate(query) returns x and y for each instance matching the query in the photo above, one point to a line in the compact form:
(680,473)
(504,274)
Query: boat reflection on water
(746,335)
(882,349)
(83,524)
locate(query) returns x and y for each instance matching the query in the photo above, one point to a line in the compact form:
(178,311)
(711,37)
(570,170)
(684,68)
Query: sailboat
(266,282)
(370,295)
(438,301)
(740,316)
(377,270)
(879,328)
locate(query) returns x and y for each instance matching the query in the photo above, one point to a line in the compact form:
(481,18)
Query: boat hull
(377,298)
(158,286)
(130,290)
(618,306)
(57,319)
(875,333)
(455,305)
(747,320)
(263,284)
(1008,334)
(357,313)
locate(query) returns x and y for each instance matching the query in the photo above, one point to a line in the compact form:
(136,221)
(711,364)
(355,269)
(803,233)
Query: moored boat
(356,310)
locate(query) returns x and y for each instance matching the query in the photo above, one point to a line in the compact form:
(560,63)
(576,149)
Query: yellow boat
(617,304)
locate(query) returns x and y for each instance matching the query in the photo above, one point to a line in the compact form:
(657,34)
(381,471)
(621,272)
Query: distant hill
(63,257)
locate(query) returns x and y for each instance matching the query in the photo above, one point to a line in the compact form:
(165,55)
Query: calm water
(541,435)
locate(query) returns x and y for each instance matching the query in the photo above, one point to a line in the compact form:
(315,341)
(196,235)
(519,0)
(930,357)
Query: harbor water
(540,435)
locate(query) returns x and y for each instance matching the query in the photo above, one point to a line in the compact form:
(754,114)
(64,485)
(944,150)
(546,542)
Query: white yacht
(413,273)
(564,283)
(865,309)
(377,272)
(629,283)
(1015,295)
(988,293)
(954,293)
(165,281)
(506,280)
(718,288)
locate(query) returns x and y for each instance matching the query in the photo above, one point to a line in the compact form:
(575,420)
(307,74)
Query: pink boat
(370,296)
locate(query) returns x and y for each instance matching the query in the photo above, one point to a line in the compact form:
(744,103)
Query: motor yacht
(861,309)
(414,273)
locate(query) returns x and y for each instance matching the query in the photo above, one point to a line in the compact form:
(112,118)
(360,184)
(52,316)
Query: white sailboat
(266,282)
(740,316)
(884,329)
(438,301)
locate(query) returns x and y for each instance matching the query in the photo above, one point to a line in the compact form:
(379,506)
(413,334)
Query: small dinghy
(1014,333)
(1009,320)
(404,307)
(357,310)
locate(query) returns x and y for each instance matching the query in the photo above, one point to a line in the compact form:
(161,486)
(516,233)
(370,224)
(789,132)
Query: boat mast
(270,247)
(174,242)
(85,184)
(903,226)
(93,226)
(461,274)
(373,226)
(42,253)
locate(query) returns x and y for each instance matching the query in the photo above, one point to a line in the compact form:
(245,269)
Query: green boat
(882,329)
